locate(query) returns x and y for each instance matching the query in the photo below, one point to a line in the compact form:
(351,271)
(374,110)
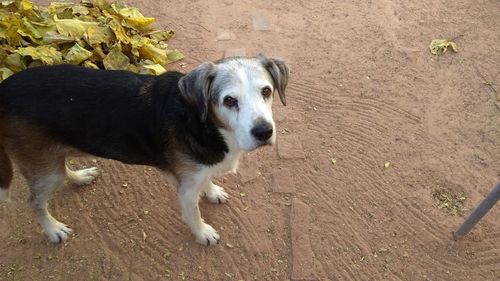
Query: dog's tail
(5,172)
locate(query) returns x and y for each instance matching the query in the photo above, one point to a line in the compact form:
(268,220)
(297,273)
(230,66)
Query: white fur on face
(243,79)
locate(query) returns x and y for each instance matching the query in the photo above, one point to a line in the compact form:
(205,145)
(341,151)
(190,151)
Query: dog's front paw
(207,235)
(216,194)
(84,176)
(57,232)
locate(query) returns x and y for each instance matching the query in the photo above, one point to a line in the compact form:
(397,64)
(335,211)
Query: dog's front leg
(189,194)
(214,193)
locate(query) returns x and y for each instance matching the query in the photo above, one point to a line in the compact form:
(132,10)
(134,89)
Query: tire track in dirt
(116,225)
(162,228)
(368,122)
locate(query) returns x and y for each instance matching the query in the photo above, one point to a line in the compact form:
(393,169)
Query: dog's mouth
(269,142)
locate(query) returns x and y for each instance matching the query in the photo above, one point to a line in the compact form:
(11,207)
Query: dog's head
(237,95)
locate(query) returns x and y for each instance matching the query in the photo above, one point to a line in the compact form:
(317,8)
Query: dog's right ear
(196,87)
(279,72)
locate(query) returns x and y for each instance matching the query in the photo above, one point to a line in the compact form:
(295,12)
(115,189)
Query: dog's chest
(229,164)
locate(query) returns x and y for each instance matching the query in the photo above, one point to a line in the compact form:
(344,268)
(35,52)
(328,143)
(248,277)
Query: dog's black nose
(263,131)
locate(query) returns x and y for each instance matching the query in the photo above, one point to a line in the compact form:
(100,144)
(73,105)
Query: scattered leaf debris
(92,33)
(450,202)
(440,46)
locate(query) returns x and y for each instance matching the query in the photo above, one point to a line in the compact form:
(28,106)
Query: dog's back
(105,108)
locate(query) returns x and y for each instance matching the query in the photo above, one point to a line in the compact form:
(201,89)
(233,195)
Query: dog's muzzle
(262,132)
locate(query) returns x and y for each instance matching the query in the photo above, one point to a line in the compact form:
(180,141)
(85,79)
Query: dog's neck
(230,163)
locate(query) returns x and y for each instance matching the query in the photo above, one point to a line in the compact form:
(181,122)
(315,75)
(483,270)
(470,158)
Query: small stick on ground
(486,82)
(481,210)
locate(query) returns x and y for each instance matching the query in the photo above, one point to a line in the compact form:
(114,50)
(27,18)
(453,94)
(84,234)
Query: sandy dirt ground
(364,90)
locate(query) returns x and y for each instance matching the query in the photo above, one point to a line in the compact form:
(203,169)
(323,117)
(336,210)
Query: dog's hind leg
(42,183)
(5,173)
(83,176)
(215,193)
(189,194)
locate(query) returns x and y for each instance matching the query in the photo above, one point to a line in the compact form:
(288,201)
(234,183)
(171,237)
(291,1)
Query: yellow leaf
(73,27)
(52,37)
(79,10)
(77,54)
(441,46)
(153,53)
(115,59)
(3,54)
(98,52)
(99,34)
(137,41)
(5,73)
(15,62)
(56,8)
(133,17)
(119,31)
(27,29)
(161,35)
(7,3)
(43,26)
(387,165)
(24,5)
(89,64)
(148,67)
(101,4)
(46,54)
(10,24)
(174,55)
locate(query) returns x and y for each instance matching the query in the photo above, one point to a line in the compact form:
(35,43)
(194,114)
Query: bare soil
(364,90)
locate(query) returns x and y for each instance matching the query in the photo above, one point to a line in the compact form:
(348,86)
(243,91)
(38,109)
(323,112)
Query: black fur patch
(132,118)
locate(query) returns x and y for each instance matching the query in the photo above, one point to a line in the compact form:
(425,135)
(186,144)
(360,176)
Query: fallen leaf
(99,34)
(133,17)
(53,37)
(154,53)
(15,62)
(161,35)
(73,27)
(5,73)
(440,46)
(45,53)
(154,69)
(115,59)
(77,54)
(174,55)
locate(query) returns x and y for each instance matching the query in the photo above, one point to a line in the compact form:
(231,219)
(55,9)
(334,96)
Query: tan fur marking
(213,116)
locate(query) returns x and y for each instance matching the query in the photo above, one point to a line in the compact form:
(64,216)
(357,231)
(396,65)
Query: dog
(191,127)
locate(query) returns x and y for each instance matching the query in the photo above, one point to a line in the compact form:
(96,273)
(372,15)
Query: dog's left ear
(196,87)
(279,73)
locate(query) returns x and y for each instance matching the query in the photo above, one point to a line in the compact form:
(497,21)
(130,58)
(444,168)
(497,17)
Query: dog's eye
(266,92)
(230,101)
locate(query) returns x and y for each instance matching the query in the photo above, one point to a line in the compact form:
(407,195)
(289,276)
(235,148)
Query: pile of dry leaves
(92,33)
